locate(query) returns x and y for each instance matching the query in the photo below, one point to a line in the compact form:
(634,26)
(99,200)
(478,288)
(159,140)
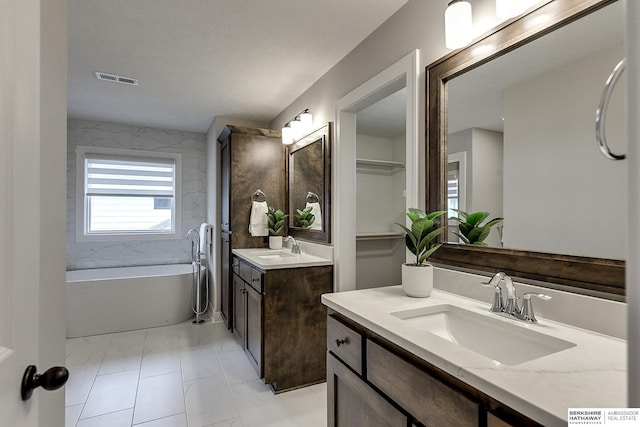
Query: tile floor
(177,376)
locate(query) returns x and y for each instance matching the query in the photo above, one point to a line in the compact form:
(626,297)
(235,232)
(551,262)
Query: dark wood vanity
(373,382)
(281,323)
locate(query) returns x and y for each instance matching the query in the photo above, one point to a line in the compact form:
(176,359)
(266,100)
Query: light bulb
(307,122)
(458,24)
(287,135)
(296,127)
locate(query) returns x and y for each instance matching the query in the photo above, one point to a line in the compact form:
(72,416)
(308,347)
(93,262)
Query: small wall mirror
(309,185)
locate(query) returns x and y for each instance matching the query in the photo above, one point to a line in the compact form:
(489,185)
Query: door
(254,328)
(33,56)
(225,279)
(239,310)
(351,402)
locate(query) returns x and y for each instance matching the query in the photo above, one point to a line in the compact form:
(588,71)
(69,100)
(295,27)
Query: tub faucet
(195,244)
(295,246)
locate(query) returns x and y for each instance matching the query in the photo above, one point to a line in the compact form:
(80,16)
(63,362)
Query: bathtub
(105,300)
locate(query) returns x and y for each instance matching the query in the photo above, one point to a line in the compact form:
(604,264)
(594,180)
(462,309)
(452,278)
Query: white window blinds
(112,175)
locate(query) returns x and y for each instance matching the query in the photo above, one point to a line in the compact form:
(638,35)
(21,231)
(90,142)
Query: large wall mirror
(309,182)
(511,132)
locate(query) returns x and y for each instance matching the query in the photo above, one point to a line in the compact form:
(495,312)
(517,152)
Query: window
(127,194)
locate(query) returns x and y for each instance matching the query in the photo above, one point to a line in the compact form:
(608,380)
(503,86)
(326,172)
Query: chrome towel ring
(601,112)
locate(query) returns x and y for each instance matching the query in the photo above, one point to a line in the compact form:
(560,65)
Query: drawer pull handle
(340,342)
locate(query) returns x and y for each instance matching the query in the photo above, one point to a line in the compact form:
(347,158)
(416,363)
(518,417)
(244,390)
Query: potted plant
(417,277)
(304,218)
(275,219)
(472,230)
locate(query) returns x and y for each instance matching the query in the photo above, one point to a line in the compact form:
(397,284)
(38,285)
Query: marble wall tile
(191,145)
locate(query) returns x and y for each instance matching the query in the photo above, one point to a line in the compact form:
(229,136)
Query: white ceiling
(198,59)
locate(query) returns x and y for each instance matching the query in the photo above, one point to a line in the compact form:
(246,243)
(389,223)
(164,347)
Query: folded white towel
(317,213)
(258,222)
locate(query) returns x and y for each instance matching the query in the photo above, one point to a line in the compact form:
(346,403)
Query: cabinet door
(225,279)
(254,328)
(351,402)
(239,312)
(225,186)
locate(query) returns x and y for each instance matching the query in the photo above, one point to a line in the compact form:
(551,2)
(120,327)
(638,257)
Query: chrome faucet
(510,307)
(526,312)
(295,246)
(195,244)
(497,306)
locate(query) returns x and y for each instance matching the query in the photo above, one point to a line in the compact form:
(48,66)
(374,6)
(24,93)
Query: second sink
(499,340)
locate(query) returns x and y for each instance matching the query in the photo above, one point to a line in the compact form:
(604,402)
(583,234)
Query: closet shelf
(379,165)
(378,235)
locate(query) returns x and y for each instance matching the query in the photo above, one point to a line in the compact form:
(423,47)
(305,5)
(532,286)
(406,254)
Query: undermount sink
(275,255)
(501,341)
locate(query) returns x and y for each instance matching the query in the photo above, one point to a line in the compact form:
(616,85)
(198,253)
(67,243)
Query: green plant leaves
(423,231)
(472,232)
(304,218)
(275,220)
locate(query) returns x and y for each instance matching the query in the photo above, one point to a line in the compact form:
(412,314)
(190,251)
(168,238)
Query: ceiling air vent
(116,79)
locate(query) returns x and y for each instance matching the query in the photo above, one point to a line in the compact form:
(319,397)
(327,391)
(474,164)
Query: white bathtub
(105,300)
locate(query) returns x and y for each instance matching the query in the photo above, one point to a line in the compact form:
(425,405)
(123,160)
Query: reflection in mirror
(524,122)
(309,177)
(561,200)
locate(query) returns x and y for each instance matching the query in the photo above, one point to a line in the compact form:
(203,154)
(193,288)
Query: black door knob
(52,379)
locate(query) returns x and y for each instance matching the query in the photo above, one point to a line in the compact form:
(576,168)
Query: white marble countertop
(271,259)
(591,374)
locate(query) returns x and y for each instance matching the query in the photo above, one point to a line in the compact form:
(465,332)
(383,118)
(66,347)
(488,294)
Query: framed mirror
(517,122)
(309,186)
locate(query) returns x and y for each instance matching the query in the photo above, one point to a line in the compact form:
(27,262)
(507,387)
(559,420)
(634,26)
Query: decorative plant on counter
(304,218)
(275,219)
(472,231)
(419,238)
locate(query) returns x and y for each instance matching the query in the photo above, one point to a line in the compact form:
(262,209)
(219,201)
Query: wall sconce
(296,128)
(458,24)
(506,9)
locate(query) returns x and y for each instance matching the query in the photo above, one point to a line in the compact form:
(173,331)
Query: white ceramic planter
(275,242)
(417,282)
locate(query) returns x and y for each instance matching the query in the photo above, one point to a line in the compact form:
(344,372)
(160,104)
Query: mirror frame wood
(324,236)
(591,276)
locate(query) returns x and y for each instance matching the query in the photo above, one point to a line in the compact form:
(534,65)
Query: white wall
(562,195)
(417,25)
(379,204)
(484,173)
(191,145)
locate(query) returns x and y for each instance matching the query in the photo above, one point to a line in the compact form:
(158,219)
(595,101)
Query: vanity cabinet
(368,376)
(281,323)
(250,159)
(247,310)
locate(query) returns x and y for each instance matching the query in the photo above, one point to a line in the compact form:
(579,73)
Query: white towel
(258,222)
(317,213)
(205,237)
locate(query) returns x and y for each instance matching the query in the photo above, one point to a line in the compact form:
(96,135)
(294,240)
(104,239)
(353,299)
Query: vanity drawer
(245,271)
(429,400)
(345,343)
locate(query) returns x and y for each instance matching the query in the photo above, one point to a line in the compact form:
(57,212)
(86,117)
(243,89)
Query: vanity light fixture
(287,135)
(506,9)
(458,24)
(296,128)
